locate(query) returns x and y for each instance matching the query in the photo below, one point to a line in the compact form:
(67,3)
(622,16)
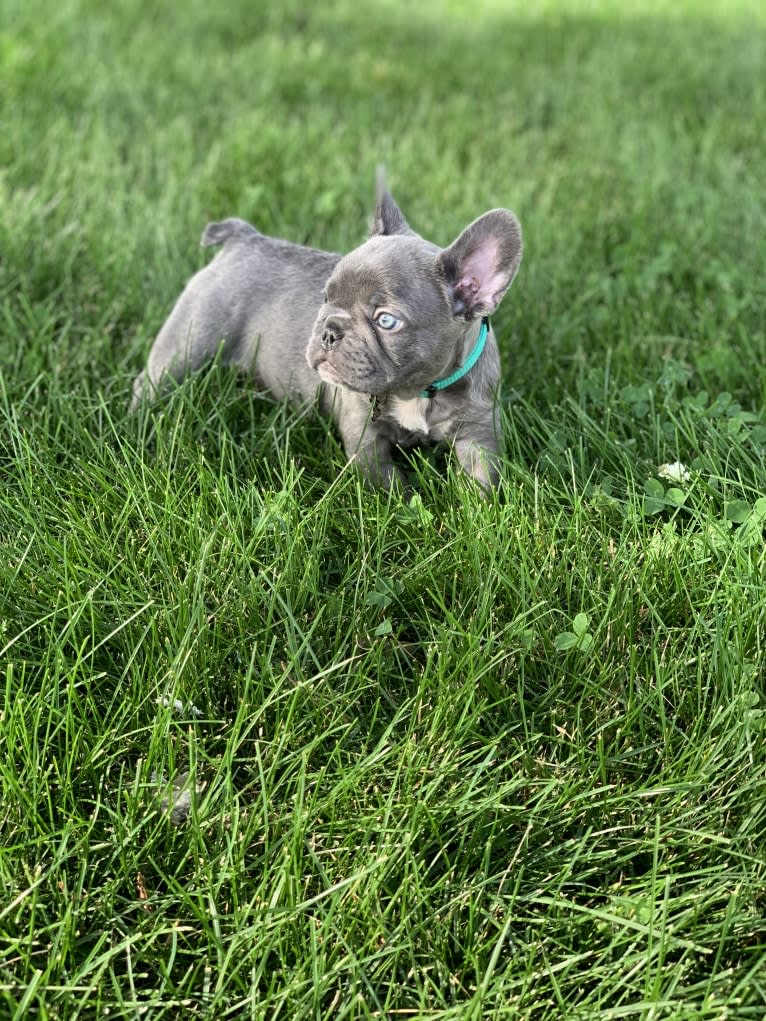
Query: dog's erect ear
(388,217)
(479,266)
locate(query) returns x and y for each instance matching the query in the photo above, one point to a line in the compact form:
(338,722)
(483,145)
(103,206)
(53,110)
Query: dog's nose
(333,332)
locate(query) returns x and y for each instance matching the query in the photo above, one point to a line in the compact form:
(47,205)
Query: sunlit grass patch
(274,745)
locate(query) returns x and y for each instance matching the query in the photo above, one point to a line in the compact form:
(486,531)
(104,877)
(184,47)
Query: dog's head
(396,310)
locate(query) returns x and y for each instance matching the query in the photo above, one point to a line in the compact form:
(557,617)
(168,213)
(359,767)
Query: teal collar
(468,364)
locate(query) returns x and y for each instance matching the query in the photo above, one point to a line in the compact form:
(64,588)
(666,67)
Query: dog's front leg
(373,455)
(478,451)
(368,445)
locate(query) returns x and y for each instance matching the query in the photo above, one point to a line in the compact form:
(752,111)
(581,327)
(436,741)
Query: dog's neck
(470,339)
(471,351)
(414,409)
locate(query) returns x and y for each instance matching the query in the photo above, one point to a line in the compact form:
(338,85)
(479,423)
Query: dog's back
(256,302)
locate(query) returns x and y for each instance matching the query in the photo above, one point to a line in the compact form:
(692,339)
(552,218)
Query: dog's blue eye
(386,321)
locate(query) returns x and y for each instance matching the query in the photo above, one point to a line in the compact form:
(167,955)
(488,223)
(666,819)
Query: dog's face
(397,308)
(385,325)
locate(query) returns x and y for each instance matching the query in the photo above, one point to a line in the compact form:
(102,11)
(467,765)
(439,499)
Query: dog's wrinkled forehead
(397,270)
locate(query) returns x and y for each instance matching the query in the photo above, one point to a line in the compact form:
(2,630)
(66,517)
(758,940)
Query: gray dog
(393,337)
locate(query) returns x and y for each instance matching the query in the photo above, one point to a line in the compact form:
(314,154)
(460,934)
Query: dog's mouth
(328,373)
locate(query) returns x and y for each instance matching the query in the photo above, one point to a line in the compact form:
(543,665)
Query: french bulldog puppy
(392,338)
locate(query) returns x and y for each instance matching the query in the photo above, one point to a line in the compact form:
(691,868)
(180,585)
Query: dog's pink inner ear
(468,285)
(480,278)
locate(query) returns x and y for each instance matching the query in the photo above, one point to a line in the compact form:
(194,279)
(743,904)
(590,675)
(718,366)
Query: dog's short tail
(231,229)
(380,183)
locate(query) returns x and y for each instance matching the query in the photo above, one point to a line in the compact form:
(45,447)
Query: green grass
(453,758)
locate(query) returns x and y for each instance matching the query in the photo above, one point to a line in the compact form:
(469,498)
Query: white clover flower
(180,708)
(675,472)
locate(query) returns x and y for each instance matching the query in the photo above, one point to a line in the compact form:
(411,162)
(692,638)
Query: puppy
(393,338)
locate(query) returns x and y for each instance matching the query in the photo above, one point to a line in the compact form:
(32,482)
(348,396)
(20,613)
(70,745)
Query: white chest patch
(411,414)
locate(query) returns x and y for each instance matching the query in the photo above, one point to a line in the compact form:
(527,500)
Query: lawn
(274,746)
